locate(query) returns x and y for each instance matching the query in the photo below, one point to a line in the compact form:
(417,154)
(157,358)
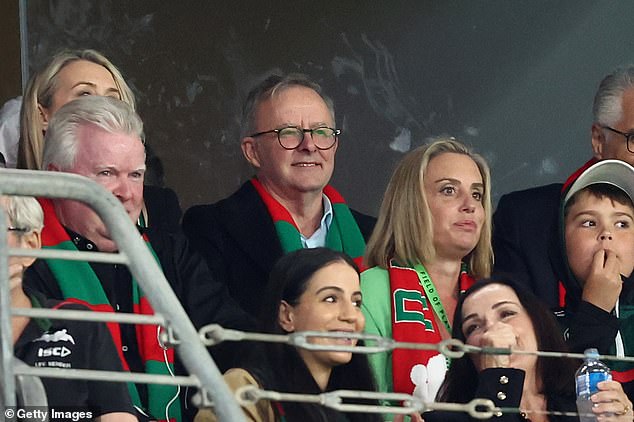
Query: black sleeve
(163,208)
(507,248)
(202,234)
(366,223)
(591,326)
(38,277)
(204,296)
(501,385)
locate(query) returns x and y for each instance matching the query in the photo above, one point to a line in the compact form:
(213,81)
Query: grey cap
(612,172)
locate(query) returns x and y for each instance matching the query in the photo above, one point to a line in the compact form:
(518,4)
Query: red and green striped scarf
(413,321)
(343,235)
(79,283)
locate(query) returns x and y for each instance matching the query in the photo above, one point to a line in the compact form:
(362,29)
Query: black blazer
(525,240)
(238,239)
(163,209)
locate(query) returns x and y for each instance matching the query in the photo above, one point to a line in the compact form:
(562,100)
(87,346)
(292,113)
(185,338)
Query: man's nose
(122,190)
(308,143)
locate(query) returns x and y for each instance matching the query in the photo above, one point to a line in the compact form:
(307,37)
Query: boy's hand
(603,286)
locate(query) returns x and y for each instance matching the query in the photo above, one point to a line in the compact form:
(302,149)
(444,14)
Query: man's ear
(598,141)
(43,115)
(285,317)
(249,151)
(30,240)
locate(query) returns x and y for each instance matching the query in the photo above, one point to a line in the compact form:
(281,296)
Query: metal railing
(132,252)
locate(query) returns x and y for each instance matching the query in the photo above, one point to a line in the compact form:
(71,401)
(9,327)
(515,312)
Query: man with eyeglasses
(290,138)
(525,239)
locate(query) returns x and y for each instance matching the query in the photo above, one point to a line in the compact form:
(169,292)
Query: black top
(205,300)
(504,387)
(52,343)
(238,239)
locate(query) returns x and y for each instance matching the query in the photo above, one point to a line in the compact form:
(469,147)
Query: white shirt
(319,237)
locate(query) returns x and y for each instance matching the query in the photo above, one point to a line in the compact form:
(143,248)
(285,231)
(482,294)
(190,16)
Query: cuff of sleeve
(501,385)
(590,312)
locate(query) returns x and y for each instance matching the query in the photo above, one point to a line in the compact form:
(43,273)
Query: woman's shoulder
(239,377)
(236,378)
(375,277)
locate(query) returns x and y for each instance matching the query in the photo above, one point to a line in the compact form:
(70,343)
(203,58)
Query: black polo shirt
(51,343)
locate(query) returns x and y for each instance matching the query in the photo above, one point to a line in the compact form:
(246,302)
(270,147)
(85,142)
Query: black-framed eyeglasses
(17,229)
(291,137)
(629,137)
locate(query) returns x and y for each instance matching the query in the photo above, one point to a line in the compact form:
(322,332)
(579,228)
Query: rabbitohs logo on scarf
(409,306)
(428,378)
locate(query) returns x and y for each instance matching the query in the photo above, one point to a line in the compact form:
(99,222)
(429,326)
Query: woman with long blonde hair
(432,239)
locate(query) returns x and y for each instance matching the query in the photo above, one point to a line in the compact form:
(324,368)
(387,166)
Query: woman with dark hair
(498,313)
(309,290)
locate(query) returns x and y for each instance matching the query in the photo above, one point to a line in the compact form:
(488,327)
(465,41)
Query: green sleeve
(375,286)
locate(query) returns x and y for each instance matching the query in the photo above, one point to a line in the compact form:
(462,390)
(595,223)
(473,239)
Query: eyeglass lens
(292,137)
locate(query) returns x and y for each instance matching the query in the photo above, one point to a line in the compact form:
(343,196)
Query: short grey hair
(607,108)
(24,212)
(107,113)
(274,83)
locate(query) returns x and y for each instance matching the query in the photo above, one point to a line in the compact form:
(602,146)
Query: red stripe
(574,176)
(623,376)
(359,261)
(334,196)
(53,231)
(113,327)
(149,347)
(277,211)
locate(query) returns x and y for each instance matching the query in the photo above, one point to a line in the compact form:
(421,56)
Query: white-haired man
(102,138)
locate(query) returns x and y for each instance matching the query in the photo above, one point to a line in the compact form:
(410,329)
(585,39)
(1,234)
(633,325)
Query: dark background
(515,79)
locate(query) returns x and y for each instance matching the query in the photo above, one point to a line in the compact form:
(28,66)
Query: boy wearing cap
(598,236)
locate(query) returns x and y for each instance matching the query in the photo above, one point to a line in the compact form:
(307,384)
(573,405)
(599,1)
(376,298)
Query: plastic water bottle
(592,372)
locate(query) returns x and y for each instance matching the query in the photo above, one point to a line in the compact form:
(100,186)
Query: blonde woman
(71,74)
(432,239)
(68,75)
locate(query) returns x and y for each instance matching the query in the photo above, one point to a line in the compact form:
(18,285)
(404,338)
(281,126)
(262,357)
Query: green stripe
(162,394)
(76,278)
(289,236)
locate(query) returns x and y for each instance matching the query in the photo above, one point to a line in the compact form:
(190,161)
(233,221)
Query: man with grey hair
(290,138)
(55,343)
(525,237)
(102,138)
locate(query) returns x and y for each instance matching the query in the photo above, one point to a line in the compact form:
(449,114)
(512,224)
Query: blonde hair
(41,89)
(405,212)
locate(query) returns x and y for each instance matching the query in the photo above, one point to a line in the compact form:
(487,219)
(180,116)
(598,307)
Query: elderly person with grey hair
(53,343)
(526,222)
(102,138)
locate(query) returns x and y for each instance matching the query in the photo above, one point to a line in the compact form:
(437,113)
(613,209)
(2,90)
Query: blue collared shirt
(319,237)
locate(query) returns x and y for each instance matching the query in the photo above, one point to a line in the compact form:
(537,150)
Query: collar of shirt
(319,237)
(83,244)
